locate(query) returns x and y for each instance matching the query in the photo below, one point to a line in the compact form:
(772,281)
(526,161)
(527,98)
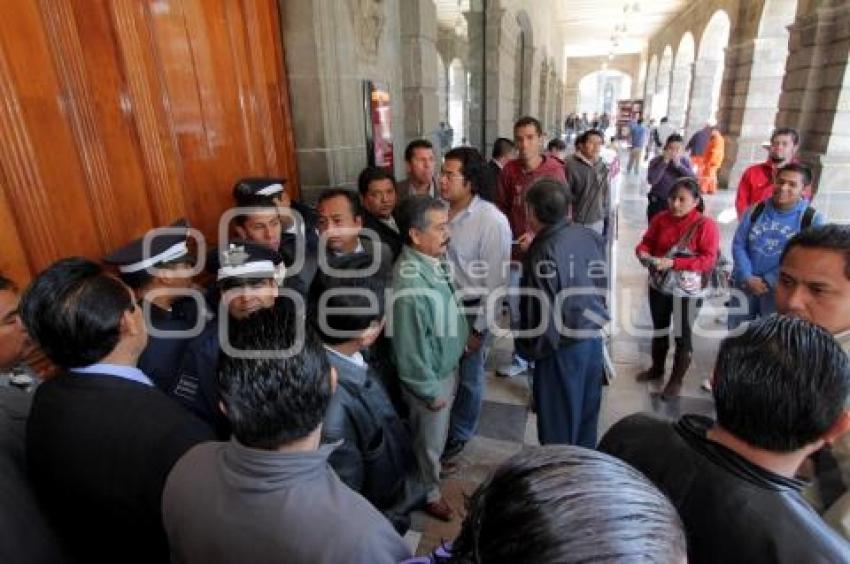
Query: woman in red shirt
(683,224)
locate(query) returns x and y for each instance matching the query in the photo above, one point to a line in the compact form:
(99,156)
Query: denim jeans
(470,393)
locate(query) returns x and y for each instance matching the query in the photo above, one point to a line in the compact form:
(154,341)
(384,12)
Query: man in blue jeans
(566,270)
(478,252)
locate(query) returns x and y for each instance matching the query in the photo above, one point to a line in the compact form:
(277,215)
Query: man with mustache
(429,334)
(756,184)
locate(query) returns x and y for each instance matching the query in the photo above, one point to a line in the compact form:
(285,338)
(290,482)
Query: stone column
(419,68)
(479,73)
(680,91)
(326,85)
(699,109)
(570,100)
(816,99)
(749,108)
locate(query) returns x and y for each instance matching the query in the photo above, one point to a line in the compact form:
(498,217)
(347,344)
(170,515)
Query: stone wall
(330,50)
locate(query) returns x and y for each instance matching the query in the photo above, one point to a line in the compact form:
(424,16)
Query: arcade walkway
(507,424)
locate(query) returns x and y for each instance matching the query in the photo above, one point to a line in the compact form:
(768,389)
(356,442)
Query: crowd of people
(296,393)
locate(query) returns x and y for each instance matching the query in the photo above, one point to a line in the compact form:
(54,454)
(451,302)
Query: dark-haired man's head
(350,311)
(13,338)
(262,224)
(424,222)
(590,143)
(273,402)
(557,148)
(79,315)
(419,159)
(462,175)
(784,142)
(503,150)
(788,187)
(527,136)
(340,219)
(377,191)
(782,386)
(548,202)
(557,504)
(814,277)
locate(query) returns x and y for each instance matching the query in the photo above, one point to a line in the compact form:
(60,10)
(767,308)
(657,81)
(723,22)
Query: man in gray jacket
(269,495)
(564,273)
(587,177)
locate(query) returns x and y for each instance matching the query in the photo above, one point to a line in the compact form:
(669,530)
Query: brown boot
(681,362)
(659,359)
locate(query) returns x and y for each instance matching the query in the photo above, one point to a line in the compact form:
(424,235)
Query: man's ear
(241,232)
(414,236)
(333,379)
(132,322)
(840,427)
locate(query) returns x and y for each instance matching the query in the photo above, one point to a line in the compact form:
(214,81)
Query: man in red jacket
(516,177)
(756,184)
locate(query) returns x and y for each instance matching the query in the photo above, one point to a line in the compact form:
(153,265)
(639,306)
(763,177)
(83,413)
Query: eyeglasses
(449,174)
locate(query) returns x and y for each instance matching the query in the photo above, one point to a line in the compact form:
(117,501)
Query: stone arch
(649,84)
(593,87)
(708,71)
(523,61)
(763,61)
(680,83)
(662,88)
(457,99)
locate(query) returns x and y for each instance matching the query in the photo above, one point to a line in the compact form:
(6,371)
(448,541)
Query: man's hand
(438,404)
(524,241)
(473,343)
(757,286)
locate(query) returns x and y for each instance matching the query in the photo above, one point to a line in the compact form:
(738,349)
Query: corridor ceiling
(586,26)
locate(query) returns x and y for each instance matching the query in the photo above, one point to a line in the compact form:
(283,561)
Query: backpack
(805,222)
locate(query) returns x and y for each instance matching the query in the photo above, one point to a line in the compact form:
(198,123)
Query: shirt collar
(118,370)
(356,358)
(359,249)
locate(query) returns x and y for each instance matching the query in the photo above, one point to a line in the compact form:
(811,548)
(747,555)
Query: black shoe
(453,448)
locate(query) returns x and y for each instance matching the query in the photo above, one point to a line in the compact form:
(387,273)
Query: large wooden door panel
(119,115)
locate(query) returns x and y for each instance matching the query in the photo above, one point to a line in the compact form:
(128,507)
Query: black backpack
(805,222)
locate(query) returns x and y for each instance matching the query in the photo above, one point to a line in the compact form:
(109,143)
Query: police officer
(246,278)
(161,277)
(292,232)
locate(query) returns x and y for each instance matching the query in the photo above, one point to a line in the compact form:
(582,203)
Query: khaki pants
(430,430)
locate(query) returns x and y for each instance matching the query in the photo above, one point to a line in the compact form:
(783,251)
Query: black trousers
(655,206)
(680,313)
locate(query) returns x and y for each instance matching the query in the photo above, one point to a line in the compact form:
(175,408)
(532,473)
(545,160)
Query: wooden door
(121,115)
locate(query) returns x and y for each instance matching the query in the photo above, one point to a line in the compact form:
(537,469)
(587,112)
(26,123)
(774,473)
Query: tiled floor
(506,423)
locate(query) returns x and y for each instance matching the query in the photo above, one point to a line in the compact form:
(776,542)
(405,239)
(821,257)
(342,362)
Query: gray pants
(430,430)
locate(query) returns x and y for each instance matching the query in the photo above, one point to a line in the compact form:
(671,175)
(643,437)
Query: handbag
(680,283)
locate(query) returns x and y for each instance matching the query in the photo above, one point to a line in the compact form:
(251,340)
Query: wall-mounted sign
(378,125)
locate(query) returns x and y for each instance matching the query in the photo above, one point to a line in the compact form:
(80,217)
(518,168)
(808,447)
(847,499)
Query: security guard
(284,233)
(245,276)
(161,278)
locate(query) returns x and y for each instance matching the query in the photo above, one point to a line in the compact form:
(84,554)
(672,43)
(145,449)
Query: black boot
(681,363)
(659,358)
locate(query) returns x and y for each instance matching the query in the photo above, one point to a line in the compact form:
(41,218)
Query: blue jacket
(756,249)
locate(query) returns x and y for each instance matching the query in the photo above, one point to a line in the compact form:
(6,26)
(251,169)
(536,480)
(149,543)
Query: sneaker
(706,385)
(453,448)
(515,368)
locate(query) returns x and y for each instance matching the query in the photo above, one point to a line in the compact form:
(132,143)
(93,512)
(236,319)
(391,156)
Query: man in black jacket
(378,196)
(564,275)
(780,390)
(375,457)
(101,439)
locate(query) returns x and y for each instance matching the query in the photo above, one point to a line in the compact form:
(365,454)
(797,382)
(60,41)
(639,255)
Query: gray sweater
(225,502)
(589,189)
